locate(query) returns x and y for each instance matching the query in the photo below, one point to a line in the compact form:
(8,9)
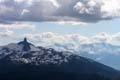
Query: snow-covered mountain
(103,52)
(21,46)
(24,57)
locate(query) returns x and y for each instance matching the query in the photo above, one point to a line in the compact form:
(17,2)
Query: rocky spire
(26,45)
(25,39)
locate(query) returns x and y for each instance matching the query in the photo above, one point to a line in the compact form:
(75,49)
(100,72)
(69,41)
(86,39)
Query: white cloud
(88,8)
(17,26)
(110,8)
(10,29)
(78,11)
(7,33)
(103,37)
(25,11)
(55,3)
(71,23)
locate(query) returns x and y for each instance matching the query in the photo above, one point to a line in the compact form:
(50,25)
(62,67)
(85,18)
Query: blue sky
(90,29)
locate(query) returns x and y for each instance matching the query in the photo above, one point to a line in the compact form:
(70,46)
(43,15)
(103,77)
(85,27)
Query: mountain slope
(21,46)
(102,52)
(44,62)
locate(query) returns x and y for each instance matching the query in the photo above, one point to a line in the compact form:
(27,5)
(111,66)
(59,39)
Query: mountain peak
(25,39)
(25,44)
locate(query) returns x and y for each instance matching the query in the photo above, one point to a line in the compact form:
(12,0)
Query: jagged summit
(22,46)
(25,39)
(26,45)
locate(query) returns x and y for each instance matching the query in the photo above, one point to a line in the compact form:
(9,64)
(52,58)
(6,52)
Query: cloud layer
(7,30)
(96,44)
(85,11)
(75,41)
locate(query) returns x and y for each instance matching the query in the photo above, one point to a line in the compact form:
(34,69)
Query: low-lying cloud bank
(81,11)
(101,42)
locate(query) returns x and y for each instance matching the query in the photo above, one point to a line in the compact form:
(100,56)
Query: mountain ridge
(49,61)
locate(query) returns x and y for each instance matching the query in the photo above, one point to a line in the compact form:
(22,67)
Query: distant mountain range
(24,60)
(102,52)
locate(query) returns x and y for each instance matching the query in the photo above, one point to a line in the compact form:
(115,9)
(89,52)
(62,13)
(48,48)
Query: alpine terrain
(23,60)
